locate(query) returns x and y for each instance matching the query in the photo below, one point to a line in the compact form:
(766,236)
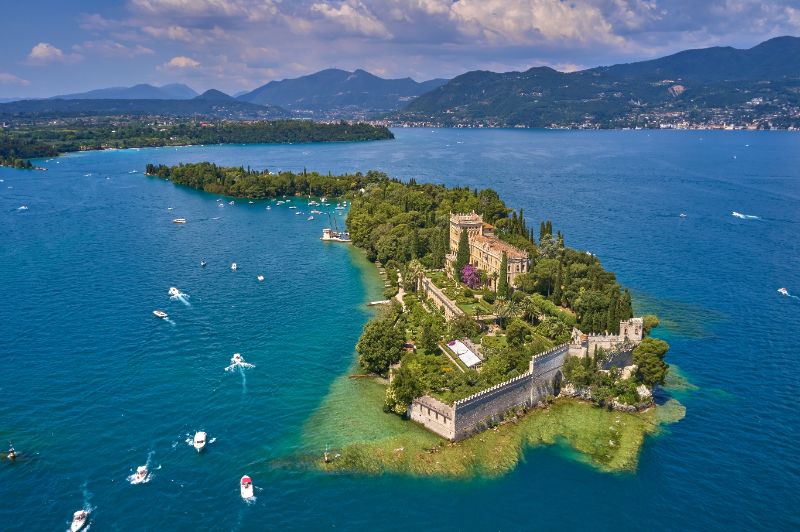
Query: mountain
(335,93)
(198,108)
(756,87)
(213,95)
(143,91)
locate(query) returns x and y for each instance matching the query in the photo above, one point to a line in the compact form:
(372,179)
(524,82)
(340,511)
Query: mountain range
(711,85)
(339,92)
(143,91)
(759,87)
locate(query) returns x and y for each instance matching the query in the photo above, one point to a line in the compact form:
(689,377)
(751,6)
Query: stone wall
(474,413)
(434,415)
(433,293)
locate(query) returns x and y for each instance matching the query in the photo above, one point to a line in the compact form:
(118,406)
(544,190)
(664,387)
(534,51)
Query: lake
(93,385)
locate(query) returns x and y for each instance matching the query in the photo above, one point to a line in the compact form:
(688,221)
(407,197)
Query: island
(493,334)
(21,141)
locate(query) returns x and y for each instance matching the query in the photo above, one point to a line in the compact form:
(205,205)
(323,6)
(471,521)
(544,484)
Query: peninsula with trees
(22,141)
(489,323)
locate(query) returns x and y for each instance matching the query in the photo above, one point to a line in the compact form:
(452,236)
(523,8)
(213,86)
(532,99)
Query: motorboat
(199,441)
(250,202)
(292,206)
(231,202)
(783,291)
(22,208)
(234,267)
(12,453)
(79,520)
(683,215)
(269,208)
(316,212)
(310,218)
(160,314)
(246,487)
(179,221)
(298,212)
(203,264)
(260,277)
(174,292)
(141,474)
(237,358)
(330,235)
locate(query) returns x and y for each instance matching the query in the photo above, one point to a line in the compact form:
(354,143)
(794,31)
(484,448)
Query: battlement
(486,391)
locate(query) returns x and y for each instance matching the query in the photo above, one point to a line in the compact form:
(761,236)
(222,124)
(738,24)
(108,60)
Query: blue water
(92,384)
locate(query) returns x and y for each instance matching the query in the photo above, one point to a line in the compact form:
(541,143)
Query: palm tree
(531,310)
(504,310)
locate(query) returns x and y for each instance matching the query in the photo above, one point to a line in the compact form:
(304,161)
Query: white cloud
(354,17)
(11,79)
(252,11)
(181,62)
(109,48)
(45,53)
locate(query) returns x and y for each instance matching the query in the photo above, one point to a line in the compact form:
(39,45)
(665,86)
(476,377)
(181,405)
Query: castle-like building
(485,249)
(630,334)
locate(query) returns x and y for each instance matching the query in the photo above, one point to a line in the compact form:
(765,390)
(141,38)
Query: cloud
(354,17)
(109,48)
(181,62)
(45,53)
(11,79)
(252,11)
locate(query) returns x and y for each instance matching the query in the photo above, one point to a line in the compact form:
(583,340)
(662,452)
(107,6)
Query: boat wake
(180,296)
(238,364)
(745,216)
(785,292)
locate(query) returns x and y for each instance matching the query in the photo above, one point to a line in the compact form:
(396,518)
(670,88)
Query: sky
(51,47)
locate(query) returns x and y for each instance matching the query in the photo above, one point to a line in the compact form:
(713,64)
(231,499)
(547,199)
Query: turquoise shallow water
(92,384)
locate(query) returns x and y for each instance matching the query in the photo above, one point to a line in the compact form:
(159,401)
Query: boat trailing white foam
(744,216)
(79,520)
(237,361)
(199,441)
(177,295)
(246,488)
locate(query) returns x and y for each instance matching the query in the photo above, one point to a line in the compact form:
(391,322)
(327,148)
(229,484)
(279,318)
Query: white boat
(179,221)
(316,212)
(199,441)
(250,202)
(141,474)
(231,202)
(683,215)
(269,208)
(783,291)
(330,235)
(79,520)
(234,267)
(310,218)
(174,292)
(260,277)
(298,212)
(292,206)
(160,314)
(203,264)
(237,358)
(246,487)
(22,208)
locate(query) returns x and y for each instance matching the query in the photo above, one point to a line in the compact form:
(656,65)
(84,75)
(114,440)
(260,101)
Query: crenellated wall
(474,413)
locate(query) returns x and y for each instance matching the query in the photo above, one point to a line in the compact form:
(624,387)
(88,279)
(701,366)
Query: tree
(380,345)
(649,356)
(429,334)
(650,322)
(502,281)
(462,255)
(625,307)
(464,327)
(516,332)
(470,276)
(405,387)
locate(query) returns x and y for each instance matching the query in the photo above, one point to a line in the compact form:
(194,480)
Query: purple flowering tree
(470,276)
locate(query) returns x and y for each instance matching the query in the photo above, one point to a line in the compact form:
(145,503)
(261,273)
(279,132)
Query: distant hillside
(199,107)
(759,86)
(143,91)
(213,95)
(338,93)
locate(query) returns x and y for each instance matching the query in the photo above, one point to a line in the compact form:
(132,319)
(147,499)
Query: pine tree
(502,280)
(462,255)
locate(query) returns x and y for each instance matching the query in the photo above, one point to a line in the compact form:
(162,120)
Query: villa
(485,249)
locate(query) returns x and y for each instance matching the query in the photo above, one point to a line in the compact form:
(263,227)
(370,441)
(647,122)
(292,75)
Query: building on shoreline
(630,335)
(485,249)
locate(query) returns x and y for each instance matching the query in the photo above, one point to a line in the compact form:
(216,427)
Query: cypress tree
(625,307)
(502,280)
(549,228)
(462,255)
(542,230)
(557,293)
